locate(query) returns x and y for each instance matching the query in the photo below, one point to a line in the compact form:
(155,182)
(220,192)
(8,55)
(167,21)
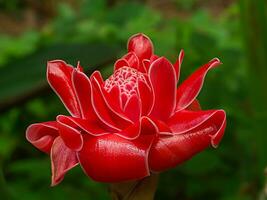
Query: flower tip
(79,67)
(216,60)
(216,138)
(182,52)
(141,45)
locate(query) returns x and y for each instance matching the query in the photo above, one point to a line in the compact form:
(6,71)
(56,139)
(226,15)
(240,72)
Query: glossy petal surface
(141,45)
(111,158)
(190,88)
(169,151)
(186,120)
(42,135)
(71,136)
(104,110)
(163,81)
(83,91)
(59,77)
(62,160)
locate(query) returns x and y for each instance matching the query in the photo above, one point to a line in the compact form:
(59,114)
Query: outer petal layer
(190,88)
(62,160)
(111,158)
(169,151)
(178,63)
(83,90)
(70,135)
(186,120)
(59,77)
(42,135)
(163,81)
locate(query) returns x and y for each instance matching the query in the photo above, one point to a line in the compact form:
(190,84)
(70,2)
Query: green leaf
(27,76)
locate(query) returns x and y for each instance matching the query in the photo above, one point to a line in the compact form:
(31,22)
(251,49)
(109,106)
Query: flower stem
(143,189)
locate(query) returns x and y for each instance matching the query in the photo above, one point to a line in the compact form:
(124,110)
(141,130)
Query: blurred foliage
(233,171)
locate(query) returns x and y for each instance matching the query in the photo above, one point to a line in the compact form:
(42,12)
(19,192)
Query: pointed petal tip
(217,137)
(215,61)
(181,54)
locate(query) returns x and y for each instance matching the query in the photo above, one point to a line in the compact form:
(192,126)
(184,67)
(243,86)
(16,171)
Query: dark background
(96,32)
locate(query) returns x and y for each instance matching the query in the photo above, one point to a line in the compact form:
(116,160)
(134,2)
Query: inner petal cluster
(126,79)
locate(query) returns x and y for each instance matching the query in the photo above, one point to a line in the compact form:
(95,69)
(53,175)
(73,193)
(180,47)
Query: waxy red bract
(136,122)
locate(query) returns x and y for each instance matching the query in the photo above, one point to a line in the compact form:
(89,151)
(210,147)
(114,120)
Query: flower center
(126,79)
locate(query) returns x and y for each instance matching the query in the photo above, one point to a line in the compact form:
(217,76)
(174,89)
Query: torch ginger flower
(134,123)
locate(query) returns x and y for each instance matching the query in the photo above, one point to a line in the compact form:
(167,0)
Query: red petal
(186,120)
(178,63)
(194,106)
(83,91)
(104,110)
(169,151)
(132,59)
(92,124)
(132,108)
(120,63)
(59,77)
(62,160)
(42,135)
(111,158)
(141,45)
(131,132)
(146,65)
(146,97)
(114,97)
(163,81)
(163,128)
(190,88)
(92,127)
(148,127)
(153,58)
(71,136)
(79,67)
(97,75)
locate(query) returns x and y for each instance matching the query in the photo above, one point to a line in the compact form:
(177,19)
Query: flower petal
(146,97)
(163,81)
(131,132)
(178,63)
(120,63)
(186,120)
(97,75)
(148,127)
(104,110)
(83,90)
(146,65)
(42,135)
(114,98)
(59,77)
(92,127)
(141,45)
(132,108)
(111,158)
(169,151)
(190,88)
(72,137)
(194,106)
(132,59)
(62,160)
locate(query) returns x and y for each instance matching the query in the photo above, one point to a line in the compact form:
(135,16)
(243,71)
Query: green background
(95,33)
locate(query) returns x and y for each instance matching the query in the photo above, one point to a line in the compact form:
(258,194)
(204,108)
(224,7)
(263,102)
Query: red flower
(134,123)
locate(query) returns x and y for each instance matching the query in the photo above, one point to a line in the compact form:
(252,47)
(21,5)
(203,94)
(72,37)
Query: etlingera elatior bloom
(133,123)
